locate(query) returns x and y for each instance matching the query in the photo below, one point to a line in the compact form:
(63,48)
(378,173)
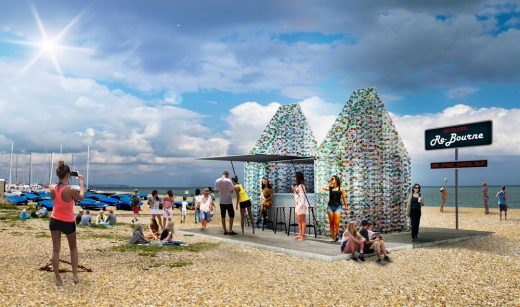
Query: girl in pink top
(167,207)
(301,205)
(63,220)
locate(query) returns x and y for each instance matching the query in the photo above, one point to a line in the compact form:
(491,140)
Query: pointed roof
(288,133)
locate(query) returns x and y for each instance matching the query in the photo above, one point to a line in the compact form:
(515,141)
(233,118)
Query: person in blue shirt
(502,202)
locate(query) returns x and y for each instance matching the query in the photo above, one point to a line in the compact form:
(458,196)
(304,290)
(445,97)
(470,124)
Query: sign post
(465,135)
(456,190)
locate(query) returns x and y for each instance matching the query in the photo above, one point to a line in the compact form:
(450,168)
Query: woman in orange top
(63,220)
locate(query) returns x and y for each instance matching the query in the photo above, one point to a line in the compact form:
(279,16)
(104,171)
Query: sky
(149,86)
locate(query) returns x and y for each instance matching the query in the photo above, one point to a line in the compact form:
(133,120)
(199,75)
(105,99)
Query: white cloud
(461,92)
(246,122)
(77,112)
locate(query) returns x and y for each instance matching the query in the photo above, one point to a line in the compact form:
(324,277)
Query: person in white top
(205,204)
(184,208)
(155,210)
(224,187)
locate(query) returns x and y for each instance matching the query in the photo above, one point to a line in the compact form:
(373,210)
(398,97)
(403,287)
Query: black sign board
(459,164)
(471,134)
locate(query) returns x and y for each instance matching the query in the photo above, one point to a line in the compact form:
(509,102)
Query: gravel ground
(484,271)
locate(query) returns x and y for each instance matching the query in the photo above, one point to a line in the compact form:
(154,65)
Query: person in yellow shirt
(244,202)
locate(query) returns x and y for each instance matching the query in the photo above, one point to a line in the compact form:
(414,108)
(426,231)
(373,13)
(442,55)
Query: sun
(49,45)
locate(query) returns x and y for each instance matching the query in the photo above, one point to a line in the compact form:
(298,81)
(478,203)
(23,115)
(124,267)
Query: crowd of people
(161,228)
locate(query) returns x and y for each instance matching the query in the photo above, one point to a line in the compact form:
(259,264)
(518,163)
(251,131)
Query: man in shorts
(502,202)
(224,187)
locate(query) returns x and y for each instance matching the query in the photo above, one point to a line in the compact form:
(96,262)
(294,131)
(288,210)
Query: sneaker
(232,233)
(226,233)
(378,260)
(387,259)
(362,257)
(354,258)
(337,238)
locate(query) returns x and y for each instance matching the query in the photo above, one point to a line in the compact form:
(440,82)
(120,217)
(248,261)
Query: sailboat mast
(16,169)
(88,162)
(11,163)
(30,169)
(52,164)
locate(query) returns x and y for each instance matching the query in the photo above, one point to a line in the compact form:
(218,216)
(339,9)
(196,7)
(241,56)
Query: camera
(74,173)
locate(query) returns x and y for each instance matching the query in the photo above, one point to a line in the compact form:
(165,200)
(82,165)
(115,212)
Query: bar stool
(313,225)
(292,213)
(269,218)
(308,217)
(279,212)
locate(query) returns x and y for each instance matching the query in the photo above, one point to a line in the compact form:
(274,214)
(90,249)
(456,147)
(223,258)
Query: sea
(469,196)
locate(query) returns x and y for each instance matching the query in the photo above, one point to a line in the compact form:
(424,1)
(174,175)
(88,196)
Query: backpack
(135,200)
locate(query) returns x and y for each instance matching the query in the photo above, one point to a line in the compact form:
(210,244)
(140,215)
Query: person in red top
(63,219)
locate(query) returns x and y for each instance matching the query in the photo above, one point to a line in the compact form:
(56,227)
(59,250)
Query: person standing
(415,202)
(205,208)
(334,207)
(63,220)
(184,208)
(224,187)
(196,204)
(245,203)
(444,193)
(485,197)
(502,202)
(302,204)
(167,207)
(212,195)
(135,205)
(155,210)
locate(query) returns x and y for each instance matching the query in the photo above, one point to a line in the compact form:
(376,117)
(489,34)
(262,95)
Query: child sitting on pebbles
(153,230)
(138,236)
(167,233)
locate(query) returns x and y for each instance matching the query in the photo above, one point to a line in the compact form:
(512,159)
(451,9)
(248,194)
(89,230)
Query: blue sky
(151,85)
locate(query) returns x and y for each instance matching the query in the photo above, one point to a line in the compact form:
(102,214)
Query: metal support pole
(233,167)
(456,191)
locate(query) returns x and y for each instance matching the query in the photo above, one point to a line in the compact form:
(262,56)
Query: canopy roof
(261,158)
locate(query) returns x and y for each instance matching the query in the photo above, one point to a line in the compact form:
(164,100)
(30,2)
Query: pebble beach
(476,272)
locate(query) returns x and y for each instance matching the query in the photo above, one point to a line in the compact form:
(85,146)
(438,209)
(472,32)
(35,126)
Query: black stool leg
(284,221)
(289,229)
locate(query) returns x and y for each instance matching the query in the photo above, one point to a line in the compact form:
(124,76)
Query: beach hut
(365,150)
(287,134)
(362,147)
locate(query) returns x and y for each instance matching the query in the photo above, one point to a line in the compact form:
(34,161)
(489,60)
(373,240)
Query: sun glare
(48,46)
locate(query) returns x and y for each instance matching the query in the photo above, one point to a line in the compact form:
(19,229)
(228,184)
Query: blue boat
(47,203)
(31,196)
(108,200)
(17,200)
(90,204)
